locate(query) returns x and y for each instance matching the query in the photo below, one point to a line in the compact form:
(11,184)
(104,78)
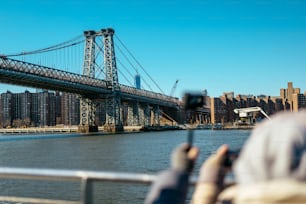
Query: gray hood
(276,149)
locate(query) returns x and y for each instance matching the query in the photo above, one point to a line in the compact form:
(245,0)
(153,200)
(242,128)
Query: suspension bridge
(89,68)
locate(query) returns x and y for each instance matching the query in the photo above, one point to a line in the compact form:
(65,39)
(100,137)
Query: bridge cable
(139,64)
(117,59)
(50,48)
(125,77)
(126,69)
(127,59)
(118,48)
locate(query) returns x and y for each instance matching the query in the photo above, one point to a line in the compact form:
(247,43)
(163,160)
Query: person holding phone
(172,185)
(271,167)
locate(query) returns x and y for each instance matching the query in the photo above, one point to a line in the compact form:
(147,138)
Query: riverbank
(74,129)
(71,129)
(40,130)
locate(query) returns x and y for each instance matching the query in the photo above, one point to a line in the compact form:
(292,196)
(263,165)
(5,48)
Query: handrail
(74,175)
(86,179)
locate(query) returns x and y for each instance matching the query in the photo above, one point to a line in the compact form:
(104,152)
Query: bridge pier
(113,128)
(87,128)
(144,114)
(156,116)
(133,114)
(87,116)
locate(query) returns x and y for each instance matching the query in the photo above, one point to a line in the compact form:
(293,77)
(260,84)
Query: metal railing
(86,179)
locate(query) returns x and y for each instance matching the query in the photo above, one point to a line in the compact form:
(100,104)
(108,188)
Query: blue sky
(249,47)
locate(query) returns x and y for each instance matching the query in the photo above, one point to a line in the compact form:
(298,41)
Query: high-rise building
(137,82)
(298,101)
(58,108)
(217,110)
(292,96)
(70,109)
(21,109)
(47,109)
(6,109)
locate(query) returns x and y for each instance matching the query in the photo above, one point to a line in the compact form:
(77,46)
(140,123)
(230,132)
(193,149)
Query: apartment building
(222,107)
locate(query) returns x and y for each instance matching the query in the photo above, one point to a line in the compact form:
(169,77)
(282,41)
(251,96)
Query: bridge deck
(37,76)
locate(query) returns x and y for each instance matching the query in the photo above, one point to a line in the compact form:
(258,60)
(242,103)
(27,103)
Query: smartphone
(192,101)
(231,156)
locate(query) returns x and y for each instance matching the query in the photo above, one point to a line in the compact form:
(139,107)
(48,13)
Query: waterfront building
(58,108)
(290,99)
(298,101)
(35,110)
(21,109)
(217,110)
(47,108)
(292,96)
(70,109)
(6,109)
(27,109)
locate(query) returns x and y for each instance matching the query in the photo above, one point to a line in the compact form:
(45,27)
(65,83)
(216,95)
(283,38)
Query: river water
(134,152)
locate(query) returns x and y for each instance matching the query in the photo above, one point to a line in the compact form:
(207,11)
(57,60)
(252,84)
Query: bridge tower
(87,105)
(113,102)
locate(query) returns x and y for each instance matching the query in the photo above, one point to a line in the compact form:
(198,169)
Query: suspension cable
(127,59)
(139,64)
(120,50)
(51,48)
(125,77)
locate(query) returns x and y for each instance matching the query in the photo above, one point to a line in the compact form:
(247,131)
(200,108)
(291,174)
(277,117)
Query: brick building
(222,108)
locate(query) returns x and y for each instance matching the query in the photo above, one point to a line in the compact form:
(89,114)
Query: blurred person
(271,167)
(171,185)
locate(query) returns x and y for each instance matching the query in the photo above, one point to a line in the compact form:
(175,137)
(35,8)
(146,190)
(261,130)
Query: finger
(193,153)
(184,147)
(221,152)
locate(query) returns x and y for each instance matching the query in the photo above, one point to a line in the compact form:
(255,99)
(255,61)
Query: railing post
(86,191)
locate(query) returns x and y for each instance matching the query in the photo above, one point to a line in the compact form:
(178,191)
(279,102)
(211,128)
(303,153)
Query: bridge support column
(156,115)
(87,116)
(133,114)
(144,115)
(113,114)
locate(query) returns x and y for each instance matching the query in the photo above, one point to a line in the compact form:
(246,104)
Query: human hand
(183,157)
(213,169)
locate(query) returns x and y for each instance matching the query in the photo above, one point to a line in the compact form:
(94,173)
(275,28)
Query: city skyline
(249,47)
(44,108)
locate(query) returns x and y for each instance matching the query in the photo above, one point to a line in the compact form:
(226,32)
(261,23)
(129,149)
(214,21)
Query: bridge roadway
(32,75)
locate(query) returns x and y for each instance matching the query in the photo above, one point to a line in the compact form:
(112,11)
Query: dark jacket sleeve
(170,187)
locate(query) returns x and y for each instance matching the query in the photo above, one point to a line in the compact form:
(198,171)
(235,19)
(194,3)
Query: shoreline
(74,129)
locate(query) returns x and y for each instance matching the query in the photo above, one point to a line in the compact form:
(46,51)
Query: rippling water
(136,152)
